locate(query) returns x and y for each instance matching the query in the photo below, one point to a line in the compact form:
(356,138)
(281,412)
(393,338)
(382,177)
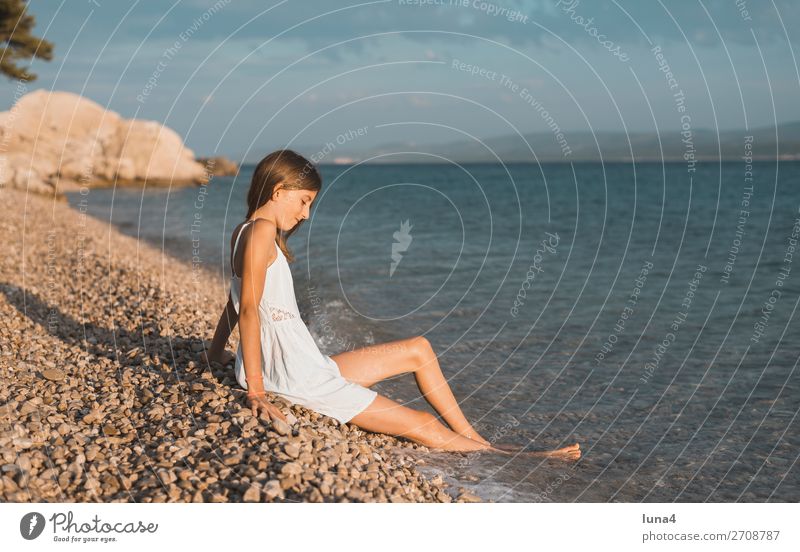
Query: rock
(273,490)
(252,494)
(28,407)
(24,462)
(91,452)
(91,484)
(110,484)
(53,374)
(292,450)
(251,423)
(95,415)
(281,427)
(466,496)
(23,442)
(233,459)
(443,496)
(292,468)
(110,429)
(290,481)
(156,413)
(219,166)
(59,139)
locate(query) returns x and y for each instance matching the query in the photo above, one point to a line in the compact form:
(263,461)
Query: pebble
(95,415)
(292,468)
(23,442)
(281,427)
(233,459)
(273,490)
(53,374)
(252,494)
(27,407)
(110,429)
(292,450)
(91,452)
(467,496)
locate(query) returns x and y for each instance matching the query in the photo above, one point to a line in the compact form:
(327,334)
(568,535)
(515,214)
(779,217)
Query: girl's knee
(426,419)
(422,347)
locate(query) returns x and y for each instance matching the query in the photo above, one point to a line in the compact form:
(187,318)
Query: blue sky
(250,76)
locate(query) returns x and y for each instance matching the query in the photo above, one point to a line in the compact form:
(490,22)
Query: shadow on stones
(144,351)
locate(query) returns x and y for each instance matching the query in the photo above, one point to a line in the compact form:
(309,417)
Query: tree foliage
(17,42)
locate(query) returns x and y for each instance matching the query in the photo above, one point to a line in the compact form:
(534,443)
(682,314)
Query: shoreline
(105,396)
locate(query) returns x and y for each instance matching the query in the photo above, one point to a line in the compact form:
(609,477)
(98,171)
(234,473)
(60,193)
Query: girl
(278,354)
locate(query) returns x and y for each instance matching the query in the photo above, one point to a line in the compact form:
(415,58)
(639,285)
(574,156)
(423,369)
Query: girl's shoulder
(257,228)
(261,233)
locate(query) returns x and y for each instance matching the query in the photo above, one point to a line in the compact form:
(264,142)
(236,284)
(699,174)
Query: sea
(647,311)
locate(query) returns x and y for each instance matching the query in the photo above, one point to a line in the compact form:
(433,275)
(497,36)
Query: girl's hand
(224,358)
(259,403)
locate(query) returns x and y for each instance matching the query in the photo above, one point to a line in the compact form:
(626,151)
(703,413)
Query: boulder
(219,166)
(54,141)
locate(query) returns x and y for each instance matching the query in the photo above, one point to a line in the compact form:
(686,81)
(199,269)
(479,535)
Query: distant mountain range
(584,146)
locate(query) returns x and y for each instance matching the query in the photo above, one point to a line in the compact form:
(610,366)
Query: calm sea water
(635,309)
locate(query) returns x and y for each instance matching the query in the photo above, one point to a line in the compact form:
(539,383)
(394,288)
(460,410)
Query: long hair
(285,167)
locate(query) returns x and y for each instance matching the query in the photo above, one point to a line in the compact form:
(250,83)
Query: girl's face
(294,206)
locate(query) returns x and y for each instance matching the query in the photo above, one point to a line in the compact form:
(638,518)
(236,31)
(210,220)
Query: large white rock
(58,140)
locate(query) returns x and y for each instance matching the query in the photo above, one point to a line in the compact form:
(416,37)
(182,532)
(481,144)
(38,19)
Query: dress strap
(236,243)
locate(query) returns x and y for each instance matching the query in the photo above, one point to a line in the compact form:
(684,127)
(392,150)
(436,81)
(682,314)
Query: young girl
(278,354)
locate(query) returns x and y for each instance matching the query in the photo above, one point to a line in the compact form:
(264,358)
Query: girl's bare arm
(227,321)
(259,252)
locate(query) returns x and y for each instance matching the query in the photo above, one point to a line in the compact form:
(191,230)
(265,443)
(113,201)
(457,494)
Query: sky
(240,77)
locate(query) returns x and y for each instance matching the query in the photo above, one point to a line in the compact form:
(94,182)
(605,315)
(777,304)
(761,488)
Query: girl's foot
(472,434)
(569,453)
(508,447)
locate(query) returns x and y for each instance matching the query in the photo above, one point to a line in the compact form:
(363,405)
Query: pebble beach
(106,395)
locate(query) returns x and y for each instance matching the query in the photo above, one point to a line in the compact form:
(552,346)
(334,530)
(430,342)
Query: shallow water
(711,415)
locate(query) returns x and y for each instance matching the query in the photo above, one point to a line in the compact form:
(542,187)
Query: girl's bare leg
(369,365)
(384,415)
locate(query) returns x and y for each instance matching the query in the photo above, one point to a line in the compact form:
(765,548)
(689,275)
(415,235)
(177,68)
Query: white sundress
(291,363)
